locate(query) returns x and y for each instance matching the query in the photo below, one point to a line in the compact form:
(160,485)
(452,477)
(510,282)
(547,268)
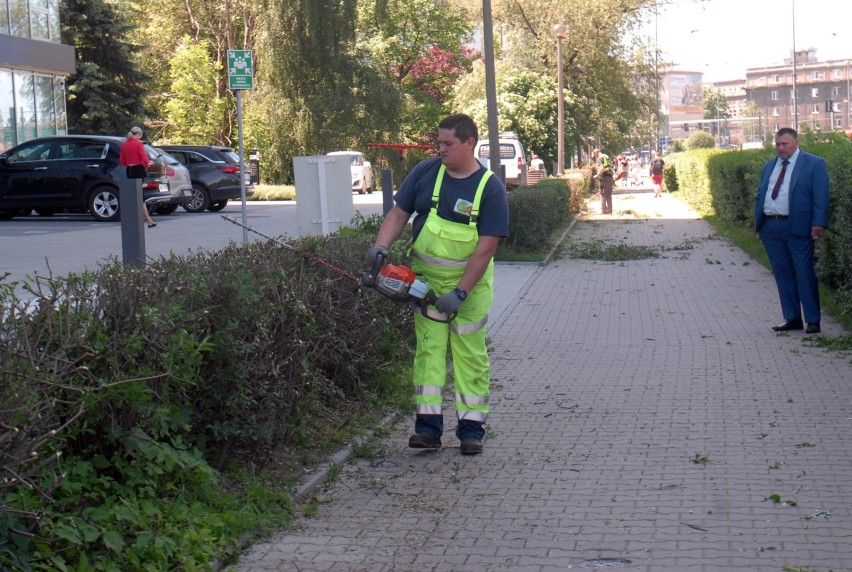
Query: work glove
(448,303)
(374,253)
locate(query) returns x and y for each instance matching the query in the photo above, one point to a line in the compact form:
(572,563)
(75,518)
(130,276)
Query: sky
(721,38)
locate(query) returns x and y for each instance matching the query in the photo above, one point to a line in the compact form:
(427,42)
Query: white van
(362,171)
(511,155)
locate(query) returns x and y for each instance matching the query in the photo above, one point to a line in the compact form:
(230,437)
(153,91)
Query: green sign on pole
(240,69)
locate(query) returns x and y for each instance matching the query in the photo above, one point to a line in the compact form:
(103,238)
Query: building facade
(822,93)
(33,67)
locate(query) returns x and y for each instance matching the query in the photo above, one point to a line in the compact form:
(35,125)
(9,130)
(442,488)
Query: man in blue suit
(790,214)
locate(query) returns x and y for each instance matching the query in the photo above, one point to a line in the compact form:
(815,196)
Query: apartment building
(33,67)
(822,92)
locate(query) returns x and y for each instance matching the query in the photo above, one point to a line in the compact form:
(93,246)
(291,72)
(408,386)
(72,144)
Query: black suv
(215,173)
(74,172)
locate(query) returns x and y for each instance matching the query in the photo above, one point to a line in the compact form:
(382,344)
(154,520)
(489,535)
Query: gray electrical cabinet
(323,194)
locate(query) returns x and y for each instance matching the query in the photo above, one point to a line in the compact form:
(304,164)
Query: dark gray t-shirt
(415,195)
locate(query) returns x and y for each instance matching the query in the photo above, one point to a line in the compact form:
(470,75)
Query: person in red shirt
(136,161)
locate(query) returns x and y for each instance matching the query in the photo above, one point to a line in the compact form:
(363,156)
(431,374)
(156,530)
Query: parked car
(180,184)
(215,174)
(75,172)
(512,155)
(362,171)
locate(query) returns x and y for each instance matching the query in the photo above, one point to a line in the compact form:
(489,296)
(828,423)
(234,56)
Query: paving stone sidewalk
(644,416)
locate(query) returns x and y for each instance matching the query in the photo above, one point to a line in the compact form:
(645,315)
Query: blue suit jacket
(808,194)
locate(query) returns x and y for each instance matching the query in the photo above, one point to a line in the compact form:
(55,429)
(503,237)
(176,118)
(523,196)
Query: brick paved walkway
(644,416)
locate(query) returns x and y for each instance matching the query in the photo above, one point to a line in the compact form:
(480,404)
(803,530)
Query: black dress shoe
(790,325)
(812,328)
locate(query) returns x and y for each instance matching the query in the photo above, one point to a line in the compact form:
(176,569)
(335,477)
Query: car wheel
(46,212)
(218,205)
(103,204)
(6,214)
(166,209)
(200,200)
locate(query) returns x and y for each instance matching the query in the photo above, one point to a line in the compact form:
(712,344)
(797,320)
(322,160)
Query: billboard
(686,93)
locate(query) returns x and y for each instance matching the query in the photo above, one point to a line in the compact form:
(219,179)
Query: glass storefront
(37,19)
(32,104)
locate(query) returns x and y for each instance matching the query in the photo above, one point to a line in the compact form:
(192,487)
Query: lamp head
(560,30)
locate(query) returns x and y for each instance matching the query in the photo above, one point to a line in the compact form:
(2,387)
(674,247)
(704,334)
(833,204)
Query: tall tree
(106,93)
(195,111)
(419,47)
(320,92)
(218,25)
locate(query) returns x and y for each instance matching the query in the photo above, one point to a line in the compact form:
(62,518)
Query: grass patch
(274,193)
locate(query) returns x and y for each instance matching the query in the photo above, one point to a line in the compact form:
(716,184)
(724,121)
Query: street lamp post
(559,30)
(795,88)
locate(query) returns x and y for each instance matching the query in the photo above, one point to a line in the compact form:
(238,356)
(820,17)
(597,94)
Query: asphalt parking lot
(65,243)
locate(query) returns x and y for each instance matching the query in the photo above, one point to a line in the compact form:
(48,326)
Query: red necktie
(780,180)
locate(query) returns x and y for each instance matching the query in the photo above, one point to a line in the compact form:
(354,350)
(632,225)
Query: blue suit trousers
(792,259)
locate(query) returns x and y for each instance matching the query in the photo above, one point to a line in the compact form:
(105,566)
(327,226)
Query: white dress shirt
(781,204)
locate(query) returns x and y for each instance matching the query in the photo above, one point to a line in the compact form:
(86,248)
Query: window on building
(835,73)
(838,123)
(39,20)
(774,96)
(835,90)
(814,75)
(25,106)
(19,18)
(776,78)
(7,111)
(815,108)
(835,106)
(45,101)
(814,92)
(775,112)
(59,105)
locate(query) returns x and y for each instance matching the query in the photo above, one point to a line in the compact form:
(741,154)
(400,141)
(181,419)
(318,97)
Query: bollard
(132,222)
(524,174)
(387,191)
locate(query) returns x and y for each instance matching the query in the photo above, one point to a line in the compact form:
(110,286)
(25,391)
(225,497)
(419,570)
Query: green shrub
(535,212)
(700,140)
(124,391)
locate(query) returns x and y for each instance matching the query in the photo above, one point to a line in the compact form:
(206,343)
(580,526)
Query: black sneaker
(471,445)
(424,441)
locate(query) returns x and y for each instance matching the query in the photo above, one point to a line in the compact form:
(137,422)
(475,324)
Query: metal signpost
(240,77)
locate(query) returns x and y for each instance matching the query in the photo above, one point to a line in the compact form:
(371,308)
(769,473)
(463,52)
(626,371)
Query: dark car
(215,173)
(73,172)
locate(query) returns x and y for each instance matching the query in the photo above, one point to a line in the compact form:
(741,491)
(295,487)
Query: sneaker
(424,441)
(471,445)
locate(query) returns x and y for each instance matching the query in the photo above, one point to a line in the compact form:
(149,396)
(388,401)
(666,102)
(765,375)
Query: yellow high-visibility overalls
(441,253)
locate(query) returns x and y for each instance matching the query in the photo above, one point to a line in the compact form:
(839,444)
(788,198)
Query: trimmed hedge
(724,184)
(537,211)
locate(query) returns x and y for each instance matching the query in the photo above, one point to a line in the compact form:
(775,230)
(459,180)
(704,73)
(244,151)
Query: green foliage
(125,391)
(106,92)
(194,110)
(700,140)
(527,104)
(536,211)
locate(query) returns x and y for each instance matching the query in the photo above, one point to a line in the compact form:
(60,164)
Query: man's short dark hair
(788,131)
(462,125)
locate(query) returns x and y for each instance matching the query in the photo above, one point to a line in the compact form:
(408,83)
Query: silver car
(179,183)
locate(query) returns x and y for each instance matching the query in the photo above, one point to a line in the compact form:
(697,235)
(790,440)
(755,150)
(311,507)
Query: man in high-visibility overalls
(605,175)
(462,212)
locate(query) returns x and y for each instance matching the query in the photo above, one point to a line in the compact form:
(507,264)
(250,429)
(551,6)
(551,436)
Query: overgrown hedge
(122,390)
(724,184)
